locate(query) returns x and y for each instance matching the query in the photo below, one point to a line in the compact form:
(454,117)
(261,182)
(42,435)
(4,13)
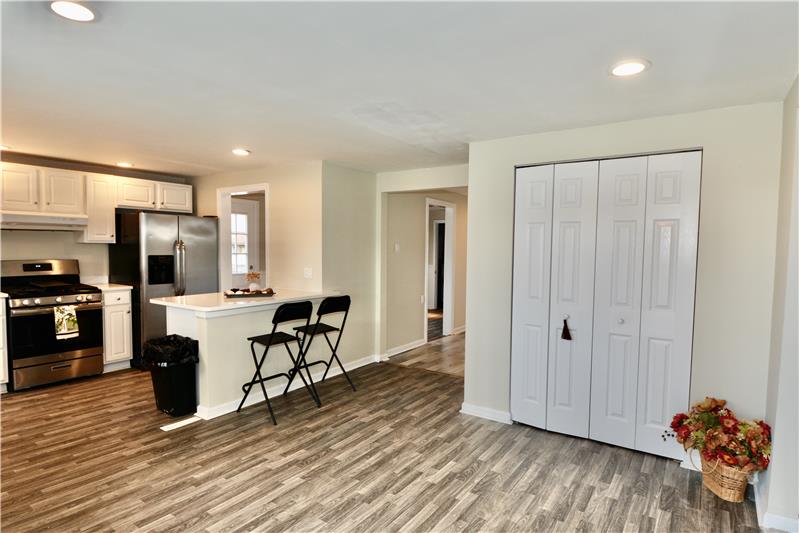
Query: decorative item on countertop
(253,277)
(730,449)
(247,293)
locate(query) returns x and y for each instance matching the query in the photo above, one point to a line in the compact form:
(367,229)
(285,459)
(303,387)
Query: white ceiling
(380,86)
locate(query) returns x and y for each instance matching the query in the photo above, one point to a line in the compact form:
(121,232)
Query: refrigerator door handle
(179,267)
(182,248)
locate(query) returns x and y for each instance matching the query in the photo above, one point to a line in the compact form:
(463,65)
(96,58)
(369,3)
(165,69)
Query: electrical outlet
(397,247)
(422,299)
(307,272)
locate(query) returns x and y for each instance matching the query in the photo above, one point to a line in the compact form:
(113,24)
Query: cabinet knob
(621,321)
(112,235)
(35,203)
(129,312)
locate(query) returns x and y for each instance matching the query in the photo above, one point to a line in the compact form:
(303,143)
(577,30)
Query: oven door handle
(49,310)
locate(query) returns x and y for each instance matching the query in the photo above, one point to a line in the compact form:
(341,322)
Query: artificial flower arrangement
(743,446)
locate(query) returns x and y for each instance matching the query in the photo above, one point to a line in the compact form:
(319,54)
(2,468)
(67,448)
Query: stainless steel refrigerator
(161,255)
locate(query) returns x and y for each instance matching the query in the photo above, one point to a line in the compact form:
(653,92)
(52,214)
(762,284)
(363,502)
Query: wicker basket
(727,482)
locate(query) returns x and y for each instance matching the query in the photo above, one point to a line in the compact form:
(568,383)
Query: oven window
(35,335)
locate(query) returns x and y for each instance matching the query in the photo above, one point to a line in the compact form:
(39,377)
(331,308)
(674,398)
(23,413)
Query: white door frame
(449,264)
(224,215)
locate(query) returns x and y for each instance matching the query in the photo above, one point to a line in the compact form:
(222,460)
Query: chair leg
(341,366)
(257,377)
(296,370)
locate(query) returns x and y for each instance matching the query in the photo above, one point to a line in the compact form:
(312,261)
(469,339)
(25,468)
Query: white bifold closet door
(617,299)
(572,296)
(533,213)
(670,262)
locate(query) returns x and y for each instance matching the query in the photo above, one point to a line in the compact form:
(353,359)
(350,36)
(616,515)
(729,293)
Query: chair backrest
(334,304)
(293,311)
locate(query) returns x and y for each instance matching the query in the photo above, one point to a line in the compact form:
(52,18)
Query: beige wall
(739,199)
(295,217)
(348,252)
(778,490)
(423,178)
(93,258)
(405,269)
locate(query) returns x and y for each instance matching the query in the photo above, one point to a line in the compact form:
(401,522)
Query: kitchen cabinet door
(101,199)
(3,348)
(63,191)
(117,333)
(20,188)
(174,197)
(133,192)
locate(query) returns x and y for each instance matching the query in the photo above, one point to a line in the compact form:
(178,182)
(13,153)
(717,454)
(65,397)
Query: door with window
(245,248)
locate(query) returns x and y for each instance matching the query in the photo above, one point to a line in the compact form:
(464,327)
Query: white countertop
(216,301)
(107,287)
(3,295)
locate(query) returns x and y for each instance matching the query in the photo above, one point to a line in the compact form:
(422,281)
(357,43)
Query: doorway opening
(243,236)
(439,268)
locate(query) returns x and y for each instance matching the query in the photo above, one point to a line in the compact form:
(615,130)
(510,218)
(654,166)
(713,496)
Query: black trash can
(172,361)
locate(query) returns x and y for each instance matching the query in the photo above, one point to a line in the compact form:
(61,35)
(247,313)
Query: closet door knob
(621,321)
(566,316)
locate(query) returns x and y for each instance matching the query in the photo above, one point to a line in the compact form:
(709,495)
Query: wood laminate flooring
(435,320)
(445,354)
(395,455)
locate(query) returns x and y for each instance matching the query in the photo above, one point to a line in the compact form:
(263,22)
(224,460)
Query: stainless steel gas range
(36,353)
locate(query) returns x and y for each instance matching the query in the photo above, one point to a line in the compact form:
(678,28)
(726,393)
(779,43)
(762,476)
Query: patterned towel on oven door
(66,322)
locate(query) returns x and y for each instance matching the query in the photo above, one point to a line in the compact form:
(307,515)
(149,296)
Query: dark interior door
(439,266)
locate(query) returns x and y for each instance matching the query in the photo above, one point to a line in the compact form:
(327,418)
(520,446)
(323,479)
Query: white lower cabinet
(611,246)
(117,327)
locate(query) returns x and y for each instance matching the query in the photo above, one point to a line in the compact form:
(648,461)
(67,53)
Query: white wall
(778,492)
(348,252)
(739,199)
(295,217)
(405,269)
(21,244)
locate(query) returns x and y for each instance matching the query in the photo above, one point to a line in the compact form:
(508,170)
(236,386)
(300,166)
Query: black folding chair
(329,306)
(285,313)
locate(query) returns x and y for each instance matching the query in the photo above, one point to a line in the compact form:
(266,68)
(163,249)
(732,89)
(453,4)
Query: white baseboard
(3,388)
(504,417)
(391,352)
(783,523)
(207,413)
(459,329)
(117,365)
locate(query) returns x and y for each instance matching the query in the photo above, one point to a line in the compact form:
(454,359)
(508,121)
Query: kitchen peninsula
(221,326)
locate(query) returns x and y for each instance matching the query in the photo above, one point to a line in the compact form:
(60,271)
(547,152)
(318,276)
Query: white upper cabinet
(20,188)
(133,192)
(63,191)
(174,197)
(101,199)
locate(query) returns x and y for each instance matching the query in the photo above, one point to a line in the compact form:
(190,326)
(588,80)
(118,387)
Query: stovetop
(40,289)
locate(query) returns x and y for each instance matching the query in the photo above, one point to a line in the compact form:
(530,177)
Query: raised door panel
(668,290)
(133,192)
(174,197)
(117,331)
(101,195)
(572,297)
(64,191)
(617,299)
(20,188)
(531,294)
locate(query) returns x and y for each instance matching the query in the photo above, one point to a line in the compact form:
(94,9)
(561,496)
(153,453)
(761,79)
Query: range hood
(44,221)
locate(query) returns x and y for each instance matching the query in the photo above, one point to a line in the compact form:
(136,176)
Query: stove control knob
(79,297)
(58,299)
(89,297)
(26,302)
(37,301)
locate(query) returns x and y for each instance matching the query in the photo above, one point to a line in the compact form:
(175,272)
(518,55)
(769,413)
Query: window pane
(241,263)
(241,223)
(234,268)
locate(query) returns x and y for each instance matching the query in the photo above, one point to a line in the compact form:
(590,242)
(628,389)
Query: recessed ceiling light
(124,164)
(240,151)
(72,11)
(630,67)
